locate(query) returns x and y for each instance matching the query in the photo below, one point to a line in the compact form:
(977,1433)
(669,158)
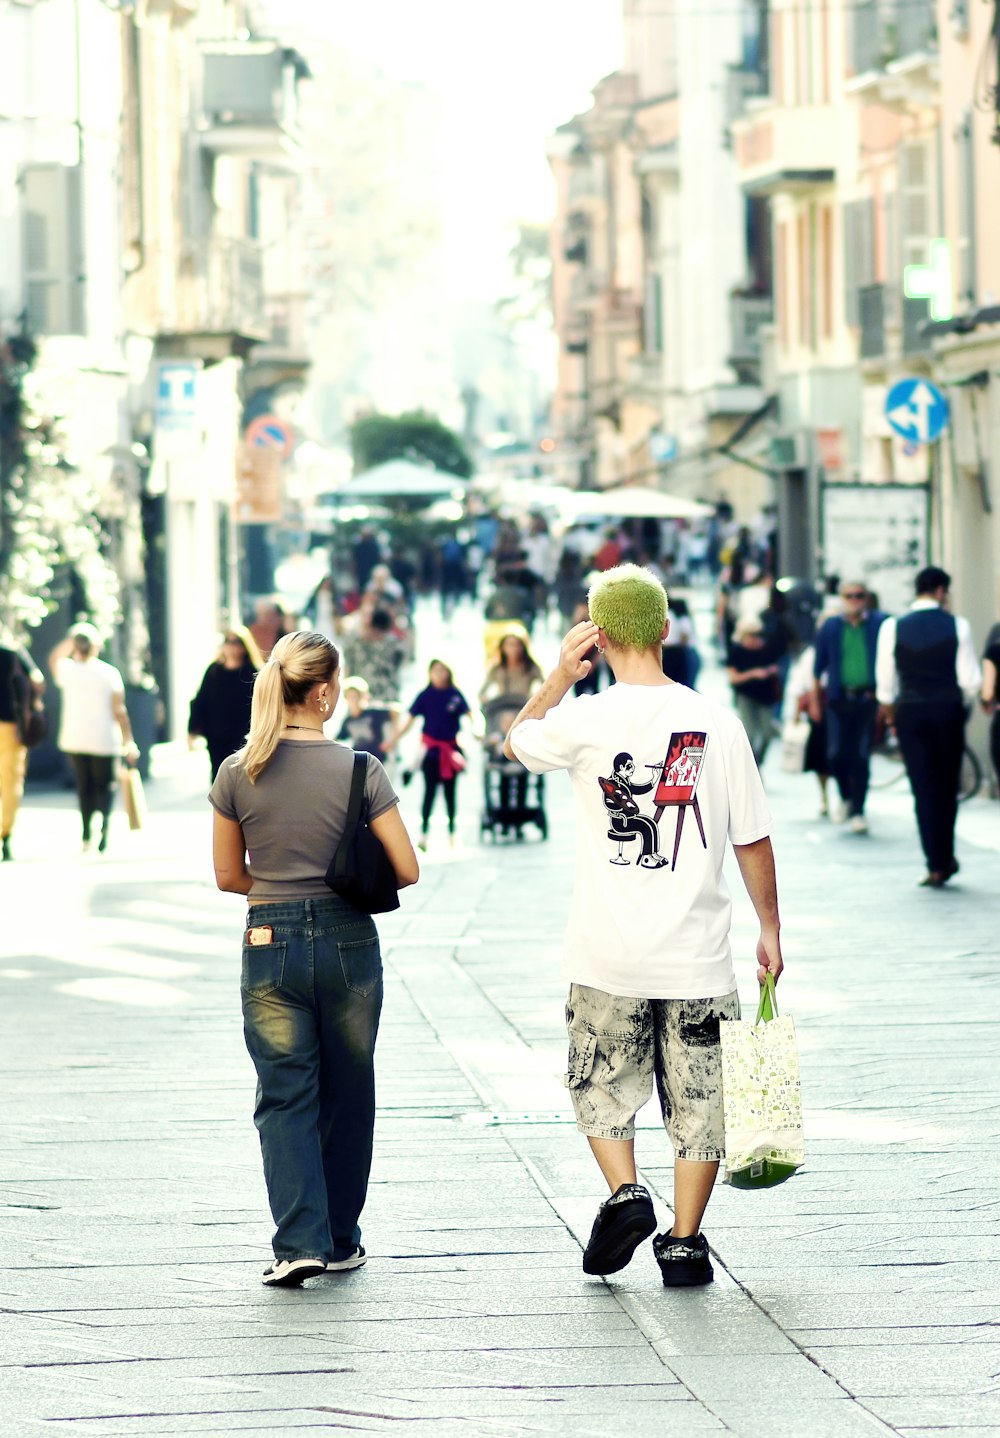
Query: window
(52,248)
(859,254)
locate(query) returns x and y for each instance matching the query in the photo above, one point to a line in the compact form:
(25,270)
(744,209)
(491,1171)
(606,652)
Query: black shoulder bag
(360,871)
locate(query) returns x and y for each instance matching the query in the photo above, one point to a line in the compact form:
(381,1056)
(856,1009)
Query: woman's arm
(229,856)
(390,831)
(988,693)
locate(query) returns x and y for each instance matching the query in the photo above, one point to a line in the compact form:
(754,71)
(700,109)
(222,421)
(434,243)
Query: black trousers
(931,737)
(95,774)
(431,770)
(850,728)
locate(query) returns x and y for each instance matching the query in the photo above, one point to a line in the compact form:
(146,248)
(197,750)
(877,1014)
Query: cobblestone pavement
(860,1298)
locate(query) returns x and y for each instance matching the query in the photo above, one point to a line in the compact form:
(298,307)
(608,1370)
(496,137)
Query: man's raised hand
(578,642)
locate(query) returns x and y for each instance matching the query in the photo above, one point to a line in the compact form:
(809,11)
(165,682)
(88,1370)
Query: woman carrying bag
(312,972)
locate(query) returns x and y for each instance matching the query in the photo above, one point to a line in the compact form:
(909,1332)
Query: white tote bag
(794,741)
(761,1097)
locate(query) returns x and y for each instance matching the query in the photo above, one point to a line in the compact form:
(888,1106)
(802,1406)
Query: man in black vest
(925,670)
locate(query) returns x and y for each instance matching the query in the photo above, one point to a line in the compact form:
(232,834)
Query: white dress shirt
(967,672)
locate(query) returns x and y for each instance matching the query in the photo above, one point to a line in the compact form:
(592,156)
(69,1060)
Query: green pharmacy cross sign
(932,282)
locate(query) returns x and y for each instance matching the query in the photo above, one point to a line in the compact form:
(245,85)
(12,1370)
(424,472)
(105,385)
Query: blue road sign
(917,410)
(176,395)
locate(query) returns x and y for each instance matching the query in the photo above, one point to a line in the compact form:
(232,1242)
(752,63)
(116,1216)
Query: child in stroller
(512,797)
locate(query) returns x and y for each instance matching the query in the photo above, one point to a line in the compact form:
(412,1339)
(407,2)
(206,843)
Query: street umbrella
(399,479)
(635,503)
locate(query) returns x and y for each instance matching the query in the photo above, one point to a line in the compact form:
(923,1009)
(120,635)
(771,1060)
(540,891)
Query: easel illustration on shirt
(678,783)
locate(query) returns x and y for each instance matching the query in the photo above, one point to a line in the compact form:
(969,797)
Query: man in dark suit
(926,671)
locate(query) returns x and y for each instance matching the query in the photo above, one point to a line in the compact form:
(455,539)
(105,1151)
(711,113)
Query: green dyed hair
(630,605)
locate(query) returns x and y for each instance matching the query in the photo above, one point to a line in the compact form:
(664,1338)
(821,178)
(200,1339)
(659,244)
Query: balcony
(895,53)
(250,100)
(219,295)
(575,239)
(785,149)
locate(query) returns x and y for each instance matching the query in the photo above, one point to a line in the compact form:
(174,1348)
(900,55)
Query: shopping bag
(794,740)
(133,797)
(762,1101)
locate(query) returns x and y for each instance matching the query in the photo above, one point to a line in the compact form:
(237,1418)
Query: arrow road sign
(917,410)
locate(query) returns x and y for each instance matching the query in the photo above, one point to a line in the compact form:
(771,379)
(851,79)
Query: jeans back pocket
(263,969)
(361,961)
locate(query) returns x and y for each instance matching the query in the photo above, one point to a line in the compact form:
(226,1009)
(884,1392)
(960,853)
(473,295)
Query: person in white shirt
(94,726)
(647,950)
(926,672)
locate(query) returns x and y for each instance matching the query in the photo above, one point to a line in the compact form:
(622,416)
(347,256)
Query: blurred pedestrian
(681,660)
(367,552)
(844,694)
(376,653)
(926,670)
(21,689)
(514,673)
(799,707)
(270,622)
(754,675)
(990,695)
(311,981)
(220,711)
(647,952)
(94,726)
(570,587)
(454,580)
(441,706)
(367,727)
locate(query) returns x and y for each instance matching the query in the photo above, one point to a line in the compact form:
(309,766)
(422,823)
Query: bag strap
(358,778)
(767,1009)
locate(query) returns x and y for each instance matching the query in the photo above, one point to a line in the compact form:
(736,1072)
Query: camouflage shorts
(617,1046)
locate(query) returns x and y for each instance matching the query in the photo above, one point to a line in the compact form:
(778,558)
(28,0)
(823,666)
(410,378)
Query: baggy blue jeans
(311,1005)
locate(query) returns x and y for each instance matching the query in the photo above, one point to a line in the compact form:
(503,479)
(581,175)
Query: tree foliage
(48,506)
(416,436)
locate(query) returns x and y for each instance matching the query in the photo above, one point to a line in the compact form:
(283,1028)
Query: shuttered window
(52,239)
(915,202)
(859,254)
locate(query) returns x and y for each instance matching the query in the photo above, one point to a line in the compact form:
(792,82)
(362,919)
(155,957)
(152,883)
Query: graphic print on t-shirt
(627,823)
(676,787)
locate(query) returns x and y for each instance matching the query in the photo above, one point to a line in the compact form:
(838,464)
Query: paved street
(860,1298)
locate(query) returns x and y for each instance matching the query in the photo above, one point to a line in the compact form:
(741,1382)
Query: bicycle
(970,774)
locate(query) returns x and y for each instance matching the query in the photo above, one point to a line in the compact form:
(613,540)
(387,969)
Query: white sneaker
(859,824)
(353,1260)
(289,1273)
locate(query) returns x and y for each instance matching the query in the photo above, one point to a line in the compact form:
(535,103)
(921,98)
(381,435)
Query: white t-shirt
(88,724)
(650,913)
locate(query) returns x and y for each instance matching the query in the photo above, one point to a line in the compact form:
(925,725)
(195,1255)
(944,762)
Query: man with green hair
(647,951)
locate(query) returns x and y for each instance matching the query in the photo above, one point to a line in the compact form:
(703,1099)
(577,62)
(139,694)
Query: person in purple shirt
(441,706)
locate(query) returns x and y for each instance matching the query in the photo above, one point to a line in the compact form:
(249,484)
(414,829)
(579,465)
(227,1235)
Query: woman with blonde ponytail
(312,972)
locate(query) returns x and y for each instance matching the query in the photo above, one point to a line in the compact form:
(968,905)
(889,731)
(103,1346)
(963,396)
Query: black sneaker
(622,1222)
(355,1259)
(289,1273)
(684,1262)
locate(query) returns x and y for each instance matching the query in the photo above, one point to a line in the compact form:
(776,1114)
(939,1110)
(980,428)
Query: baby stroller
(512,795)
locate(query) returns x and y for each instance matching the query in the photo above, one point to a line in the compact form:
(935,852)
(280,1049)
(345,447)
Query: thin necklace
(312,729)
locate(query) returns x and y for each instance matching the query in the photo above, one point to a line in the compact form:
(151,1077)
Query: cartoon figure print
(627,824)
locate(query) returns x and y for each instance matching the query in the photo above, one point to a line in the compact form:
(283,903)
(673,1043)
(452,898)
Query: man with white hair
(647,949)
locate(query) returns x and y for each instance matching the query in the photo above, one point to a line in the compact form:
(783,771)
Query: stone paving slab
(859,1298)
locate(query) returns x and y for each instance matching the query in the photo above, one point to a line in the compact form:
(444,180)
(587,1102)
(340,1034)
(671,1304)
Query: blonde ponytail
(298,662)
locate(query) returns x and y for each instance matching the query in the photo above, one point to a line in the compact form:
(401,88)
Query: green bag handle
(767,1009)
